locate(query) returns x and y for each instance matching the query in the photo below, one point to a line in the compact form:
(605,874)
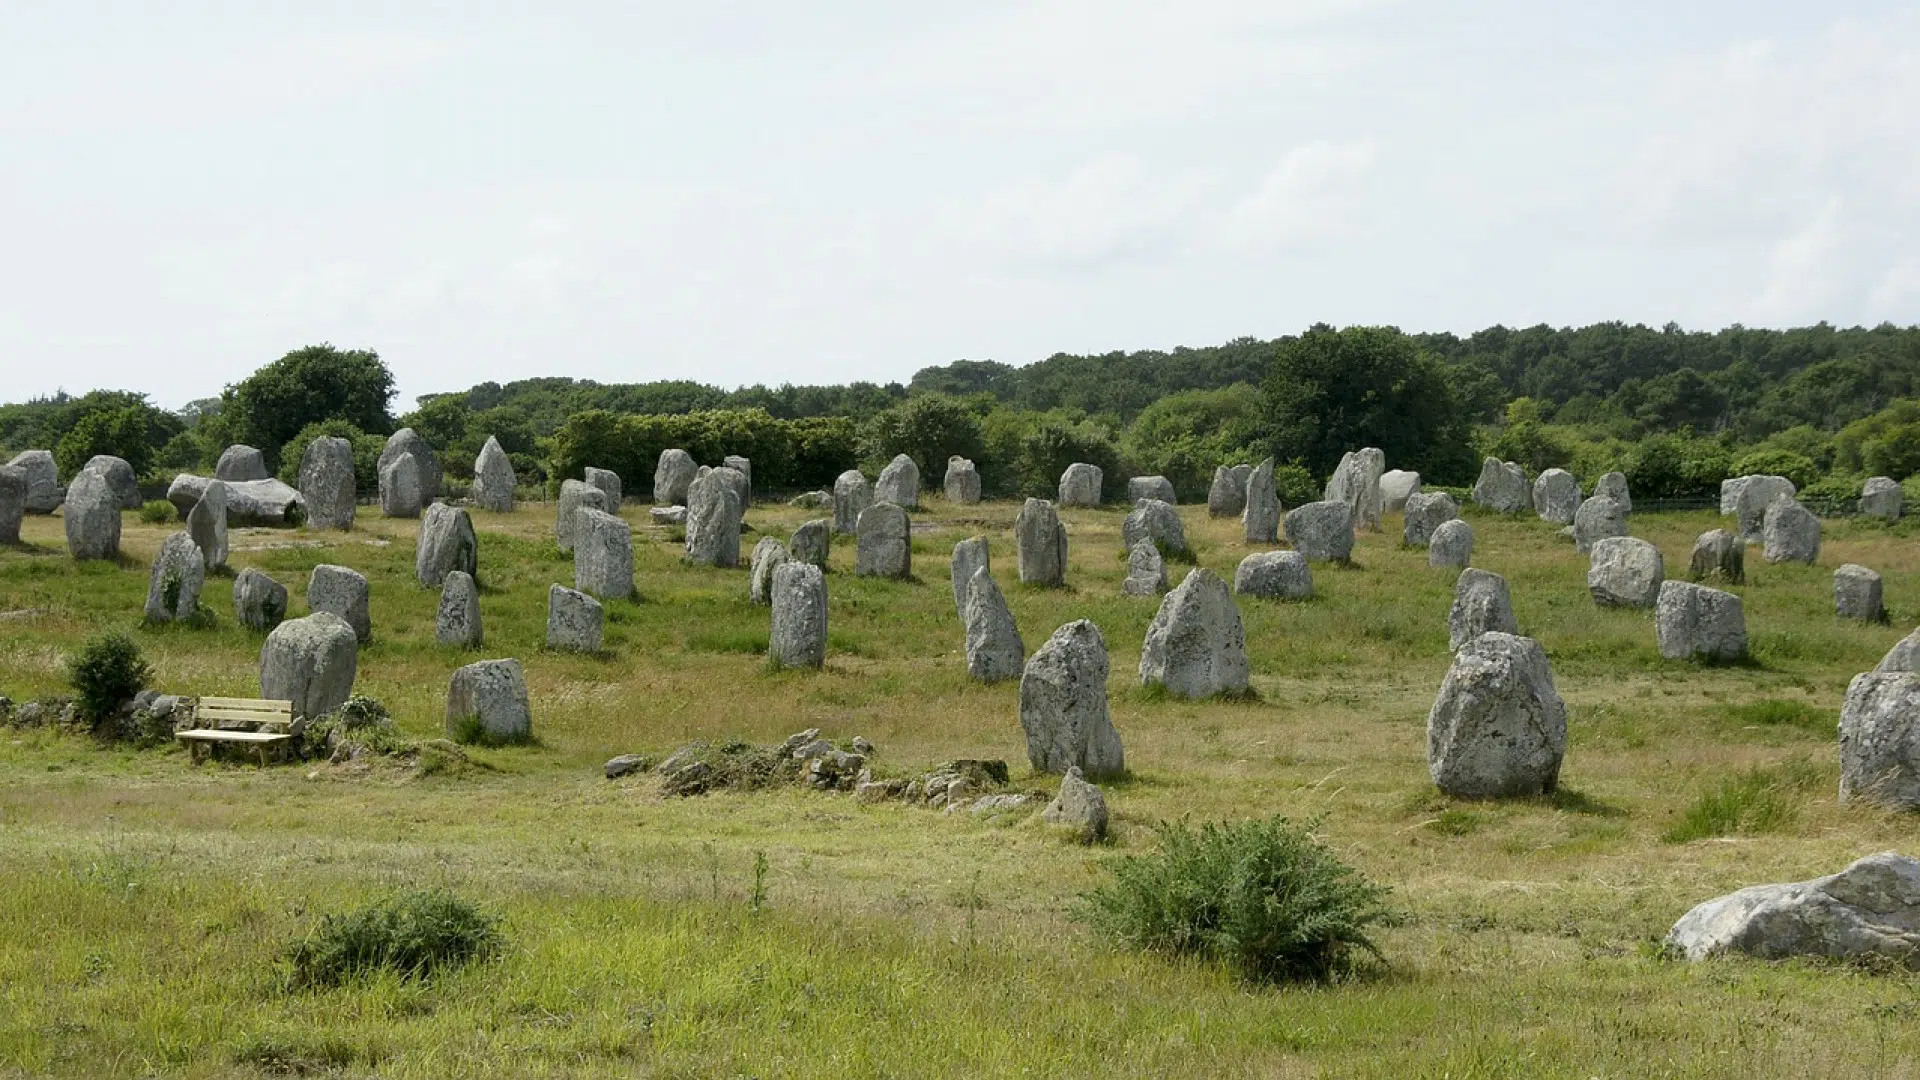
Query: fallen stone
(179,573)
(1063,705)
(341,591)
(1498,727)
(575,621)
(249,502)
(310,662)
(1625,572)
(1040,544)
(615,768)
(1870,909)
(1196,646)
(492,693)
(1321,531)
(1695,622)
(1274,575)
(812,500)
(1482,604)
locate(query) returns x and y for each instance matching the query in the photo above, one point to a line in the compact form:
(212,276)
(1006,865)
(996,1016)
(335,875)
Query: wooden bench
(274,720)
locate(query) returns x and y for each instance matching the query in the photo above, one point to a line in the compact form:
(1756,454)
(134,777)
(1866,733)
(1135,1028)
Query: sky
(741,191)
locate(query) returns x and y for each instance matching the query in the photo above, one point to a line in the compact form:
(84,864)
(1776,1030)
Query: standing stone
(1150,487)
(1597,519)
(446,543)
(606,480)
(409,441)
(799,635)
(1870,910)
(179,572)
(259,602)
(1158,522)
(239,462)
(1556,496)
(1625,572)
(1904,656)
(768,555)
(576,495)
(1146,571)
(458,620)
(1356,482)
(1482,604)
(812,542)
(1227,497)
(1498,727)
(1791,532)
(1730,495)
(1080,485)
(1880,740)
(1718,555)
(1755,495)
(851,496)
(402,493)
(1322,531)
(1694,621)
(1079,808)
(603,554)
(493,479)
(310,662)
(1063,705)
(1396,487)
(899,483)
(672,476)
(340,591)
(1196,646)
(1502,487)
(120,477)
(1613,486)
(962,482)
(714,509)
(575,621)
(1040,544)
(969,555)
(207,524)
(1425,512)
(327,483)
(1882,498)
(92,518)
(13,502)
(44,492)
(1274,575)
(744,467)
(995,651)
(1260,521)
(885,547)
(1451,545)
(1856,594)
(494,693)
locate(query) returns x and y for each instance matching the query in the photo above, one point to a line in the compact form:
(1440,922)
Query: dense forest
(1677,410)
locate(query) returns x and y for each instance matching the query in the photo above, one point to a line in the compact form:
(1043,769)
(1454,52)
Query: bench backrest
(214,711)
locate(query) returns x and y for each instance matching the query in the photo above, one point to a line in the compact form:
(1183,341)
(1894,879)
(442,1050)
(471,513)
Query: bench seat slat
(202,735)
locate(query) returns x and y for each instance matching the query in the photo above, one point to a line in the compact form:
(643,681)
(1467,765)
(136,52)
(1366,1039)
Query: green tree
(929,428)
(128,431)
(1331,391)
(1184,436)
(366,454)
(307,386)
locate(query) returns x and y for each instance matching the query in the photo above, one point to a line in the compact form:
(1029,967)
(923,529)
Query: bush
(105,674)
(415,935)
(929,428)
(1295,485)
(1795,467)
(1265,896)
(157,512)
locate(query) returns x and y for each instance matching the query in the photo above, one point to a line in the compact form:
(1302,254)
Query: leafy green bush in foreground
(105,673)
(416,934)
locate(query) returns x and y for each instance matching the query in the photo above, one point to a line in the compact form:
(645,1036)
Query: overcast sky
(739,191)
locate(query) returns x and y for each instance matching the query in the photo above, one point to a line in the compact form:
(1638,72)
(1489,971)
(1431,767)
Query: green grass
(1755,802)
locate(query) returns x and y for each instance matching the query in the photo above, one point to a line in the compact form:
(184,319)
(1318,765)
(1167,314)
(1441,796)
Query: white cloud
(1319,192)
(1107,210)
(1803,274)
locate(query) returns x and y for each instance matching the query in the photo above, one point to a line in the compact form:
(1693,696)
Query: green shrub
(107,672)
(1265,896)
(1769,462)
(157,512)
(416,935)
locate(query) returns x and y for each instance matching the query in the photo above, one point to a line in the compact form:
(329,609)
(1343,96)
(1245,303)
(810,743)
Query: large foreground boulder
(1482,604)
(1040,544)
(995,650)
(716,503)
(1789,532)
(969,555)
(1752,496)
(899,483)
(493,478)
(1196,646)
(327,483)
(1502,487)
(1425,511)
(259,602)
(962,482)
(240,462)
(1694,622)
(1158,523)
(799,635)
(249,502)
(446,543)
(1260,521)
(427,462)
(576,495)
(1322,531)
(851,497)
(1063,705)
(883,542)
(1498,727)
(92,518)
(1227,497)
(1719,556)
(1882,498)
(1274,575)
(1880,740)
(345,592)
(1625,571)
(603,555)
(120,477)
(575,621)
(487,702)
(179,573)
(1869,910)
(1150,487)
(672,476)
(1080,485)
(310,662)
(44,492)
(1556,496)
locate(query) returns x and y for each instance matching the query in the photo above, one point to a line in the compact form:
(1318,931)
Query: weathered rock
(1625,571)
(1321,531)
(179,572)
(13,502)
(1425,511)
(744,467)
(1040,544)
(799,635)
(120,477)
(1080,485)
(1880,740)
(1146,571)
(812,542)
(458,621)
(617,767)
(207,524)
(1079,808)
(606,480)
(1498,727)
(667,515)
(1718,555)
(575,621)
(768,555)
(1260,521)
(576,495)
(714,510)
(1157,522)
(259,602)
(493,478)
(1882,498)
(493,693)
(885,547)
(327,483)
(812,500)
(1356,482)
(1227,497)
(44,492)
(1790,533)
(995,650)
(92,518)
(1150,487)
(341,591)
(1482,604)
(409,441)
(962,483)
(1692,621)
(1451,544)
(1597,519)
(1196,646)
(1063,705)
(672,476)
(1904,656)
(851,496)
(402,492)
(238,462)
(1856,594)
(1556,496)
(446,543)
(1869,910)
(1613,486)
(249,502)
(603,554)
(968,555)
(1502,487)
(1396,487)
(310,662)
(1730,495)
(1751,500)
(1274,575)
(899,483)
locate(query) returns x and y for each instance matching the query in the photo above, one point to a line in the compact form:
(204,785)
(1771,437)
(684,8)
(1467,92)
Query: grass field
(144,903)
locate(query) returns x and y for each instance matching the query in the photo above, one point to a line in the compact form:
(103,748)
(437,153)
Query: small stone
(1451,545)
(851,497)
(1790,532)
(1695,622)
(259,602)
(1396,487)
(1625,572)
(426,461)
(799,629)
(207,524)
(1274,575)
(603,555)
(1146,571)
(1322,531)
(1150,487)
(962,483)
(1856,594)
(1260,521)
(812,542)
(173,588)
(92,518)
(577,495)
(1079,808)
(493,478)
(969,555)
(1556,496)
(1718,555)
(768,555)
(458,620)
(607,481)
(1196,646)
(401,491)
(343,592)
(1870,909)
(1425,512)
(1080,485)
(1482,604)
(240,463)
(446,543)
(327,483)
(899,483)
(1227,497)
(672,477)
(1502,487)
(885,547)
(1882,498)
(575,621)
(493,692)
(667,515)
(1597,519)
(1063,705)
(1498,727)
(1158,523)
(616,768)
(1040,544)
(812,500)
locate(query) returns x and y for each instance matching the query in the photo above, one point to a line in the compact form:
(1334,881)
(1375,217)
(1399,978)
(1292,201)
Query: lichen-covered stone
(327,483)
(1880,740)
(851,496)
(969,555)
(1498,727)
(1146,571)
(240,462)
(672,476)
(1502,487)
(575,621)
(1158,523)
(1040,544)
(812,542)
(1396,487)
(744,467)
(1718,555)
(1260,521)
(1063,705)
(767,556)
(457,622)
(799,635)
(1150,487)
(1789,532)
(493,478)
(1870,910)
(44,492)
(1451,545)
(402,494)
(446,543)
(13,502)
(1694,622)
(1597,519)
(179,573)
(1356,482)
(1424,512)
(1274,575)
(1196,646)
(1556,496)
(1079,808)
(962,482)
(249,502)
(1857,594)
(606,480)
(493,693)
(1613,486)
(207,524)
(1625,571)
(1080,485)
(602,554)
(1752,497)
(995,650)
(576,495)
(310,662)
(714,509)
(1227,497)
(92,514)
(1882,498)
(899,483)
(884,542)
(119,474)
(1322,531)
(1481,604)
(426,461)
(259,602)
(343,591)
